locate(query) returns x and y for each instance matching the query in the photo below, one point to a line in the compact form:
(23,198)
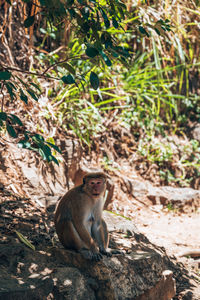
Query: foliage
(91,22)
(103,57)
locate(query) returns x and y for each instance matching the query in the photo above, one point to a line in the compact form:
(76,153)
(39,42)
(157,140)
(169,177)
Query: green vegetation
(139,61)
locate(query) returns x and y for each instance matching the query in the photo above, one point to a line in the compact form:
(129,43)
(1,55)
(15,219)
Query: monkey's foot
(104,252)
(87,254)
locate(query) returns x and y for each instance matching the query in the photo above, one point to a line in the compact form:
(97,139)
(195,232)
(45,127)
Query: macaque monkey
(78,218)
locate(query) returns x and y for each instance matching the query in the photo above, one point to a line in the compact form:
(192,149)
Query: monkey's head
(95,184)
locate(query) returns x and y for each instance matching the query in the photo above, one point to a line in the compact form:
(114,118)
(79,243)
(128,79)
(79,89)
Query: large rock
(178,197)
(138,275)
(138,272)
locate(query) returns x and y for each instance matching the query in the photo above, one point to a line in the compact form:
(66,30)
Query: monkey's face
(96,186)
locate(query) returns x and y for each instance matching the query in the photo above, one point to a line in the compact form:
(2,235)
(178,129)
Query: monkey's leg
(68,235)
(71,240)
(100,234)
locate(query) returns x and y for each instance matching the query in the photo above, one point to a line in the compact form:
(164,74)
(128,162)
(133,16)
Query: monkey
(78,218)
(78,180)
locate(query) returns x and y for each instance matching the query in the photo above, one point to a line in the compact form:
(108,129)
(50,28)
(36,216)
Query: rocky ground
(170,232)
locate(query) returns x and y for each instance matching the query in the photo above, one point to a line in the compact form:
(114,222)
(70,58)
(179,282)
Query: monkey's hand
(91,255)
(104,252)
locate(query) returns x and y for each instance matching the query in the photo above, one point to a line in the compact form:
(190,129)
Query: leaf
(11,131)
(36,86)
(38,137)
(3,116)
(54,159)
(69,68)
(23,97)
(5,75)
(106,21)
(24,240)
(10,90)
(94,80)
(72,13)
(24,144)
(143,31)
(85,27)
(15,120)
(32,94)
(115,23)
(47,150)
(85,12)
(69,79)
(106,59)
(91,51)
(29,21)
(54,147)
(41,152)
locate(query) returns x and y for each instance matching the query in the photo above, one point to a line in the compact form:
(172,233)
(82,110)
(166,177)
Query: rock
(62,274)
(164,289)
(72,285)
(178,197)
(120,224)
(138,275)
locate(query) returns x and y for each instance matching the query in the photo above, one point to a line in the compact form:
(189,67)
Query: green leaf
(3,116)
(54,159)
(41,152)
(24,144)
(32,94)
(85,12)
(106,59)
(29,21)
(5,75)
(69,68)
(106,20)
(115,23)
(36,86)
(94,80)
(8,1)
(72,13)
(10,90)
(91,51)
(54,147)
(1,123)
(143,31)
(15,120)
(11,131)
(47,150)
(69,79)
(38,137)
(23,97)
(24,240)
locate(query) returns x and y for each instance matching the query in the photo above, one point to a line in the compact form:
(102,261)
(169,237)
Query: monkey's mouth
(95,194)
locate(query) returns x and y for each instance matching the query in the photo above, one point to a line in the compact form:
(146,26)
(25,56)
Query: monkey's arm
(100,234)
(110,189)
